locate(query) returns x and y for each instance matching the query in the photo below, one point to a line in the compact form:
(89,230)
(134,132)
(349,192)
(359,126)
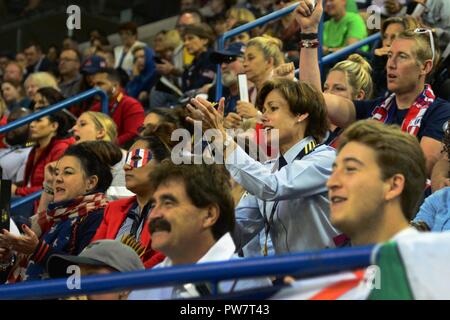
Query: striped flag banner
(414,266)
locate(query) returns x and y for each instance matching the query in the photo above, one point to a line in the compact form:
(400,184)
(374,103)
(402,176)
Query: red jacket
(113,218)
(128,115)
(3,121)
(34,174)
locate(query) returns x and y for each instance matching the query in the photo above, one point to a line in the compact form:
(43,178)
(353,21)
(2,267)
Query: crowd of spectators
(360,156)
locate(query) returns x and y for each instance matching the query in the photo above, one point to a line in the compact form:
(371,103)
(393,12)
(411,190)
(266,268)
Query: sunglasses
(430,34)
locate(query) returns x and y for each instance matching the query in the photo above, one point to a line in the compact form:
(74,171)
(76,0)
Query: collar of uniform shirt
(292,153)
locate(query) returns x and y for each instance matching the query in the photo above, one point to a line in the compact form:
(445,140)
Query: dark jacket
(146,79)
(83,229)
(202,71)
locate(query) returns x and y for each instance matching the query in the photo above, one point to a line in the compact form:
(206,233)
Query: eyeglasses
(67,60)
(430,33)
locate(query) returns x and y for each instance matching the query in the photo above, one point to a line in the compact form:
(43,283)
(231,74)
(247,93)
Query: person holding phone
(144,74)
(231,61)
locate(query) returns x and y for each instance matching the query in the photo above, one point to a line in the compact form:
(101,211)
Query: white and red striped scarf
(42,222)
(79,207)
(413,118)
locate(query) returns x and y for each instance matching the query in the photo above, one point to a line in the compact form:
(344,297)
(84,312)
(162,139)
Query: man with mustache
(191,222)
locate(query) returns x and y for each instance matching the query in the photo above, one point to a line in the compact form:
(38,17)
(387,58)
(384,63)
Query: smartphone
(157,60)
(5,203)
(313,4)
(243,87)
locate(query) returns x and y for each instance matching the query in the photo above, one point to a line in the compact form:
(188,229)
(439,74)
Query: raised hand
(232,120)
(308,17)
(204,111)
(246,109)
(285,70)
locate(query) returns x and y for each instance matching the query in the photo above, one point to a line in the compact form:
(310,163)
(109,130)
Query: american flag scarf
(49,226)
(413,119)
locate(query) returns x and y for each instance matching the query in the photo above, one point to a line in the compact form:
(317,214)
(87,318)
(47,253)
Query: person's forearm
(309,64)
(45,200)
(439,174)
(341,111)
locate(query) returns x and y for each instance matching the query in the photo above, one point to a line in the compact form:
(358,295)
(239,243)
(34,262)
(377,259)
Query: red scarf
(79,207)
(42,223)
(413,118)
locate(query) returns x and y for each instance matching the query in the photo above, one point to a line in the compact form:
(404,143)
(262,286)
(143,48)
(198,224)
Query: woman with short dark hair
(287,196)
(82,177)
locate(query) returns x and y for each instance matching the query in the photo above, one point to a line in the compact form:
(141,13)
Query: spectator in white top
(123,54)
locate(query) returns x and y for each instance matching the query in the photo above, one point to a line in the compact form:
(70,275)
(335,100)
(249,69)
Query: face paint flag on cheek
(138,158)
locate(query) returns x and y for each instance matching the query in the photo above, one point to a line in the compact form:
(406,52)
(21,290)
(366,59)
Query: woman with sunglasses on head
(411,104)
(68,224)
(128,217)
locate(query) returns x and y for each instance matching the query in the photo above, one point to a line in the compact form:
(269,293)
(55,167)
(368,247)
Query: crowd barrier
(302,265)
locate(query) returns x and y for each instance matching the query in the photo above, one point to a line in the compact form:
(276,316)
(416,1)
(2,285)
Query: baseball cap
(101,253)
(93,64)
(234,50)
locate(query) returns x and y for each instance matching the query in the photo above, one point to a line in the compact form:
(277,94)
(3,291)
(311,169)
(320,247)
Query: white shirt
(127,63)
(222,250)
(13,162)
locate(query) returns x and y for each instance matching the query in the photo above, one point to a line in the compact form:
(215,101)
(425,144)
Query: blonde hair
(422,48)
(172,39)
(357,72)
(270,47)
(103,121)
(408,23)
(240,15)
(42,80)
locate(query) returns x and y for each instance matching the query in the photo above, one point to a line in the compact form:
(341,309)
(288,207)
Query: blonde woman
(261,57)
(38,80)
(93,126)
(99,126)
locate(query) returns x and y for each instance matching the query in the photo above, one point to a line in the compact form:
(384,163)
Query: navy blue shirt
(202,71)
(436,116)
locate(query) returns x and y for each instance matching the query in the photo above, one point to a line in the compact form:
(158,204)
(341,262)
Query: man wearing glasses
(411,104)
(69,69)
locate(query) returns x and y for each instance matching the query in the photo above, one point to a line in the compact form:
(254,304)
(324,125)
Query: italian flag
(415,266)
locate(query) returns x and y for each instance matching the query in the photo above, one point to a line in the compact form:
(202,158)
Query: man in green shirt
(343,28)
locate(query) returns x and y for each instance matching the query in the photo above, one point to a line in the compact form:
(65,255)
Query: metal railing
(56,107)
(335,56)
(302,265)
(45,112)
(19,202)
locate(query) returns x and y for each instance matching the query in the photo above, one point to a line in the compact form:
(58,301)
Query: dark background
(47,23)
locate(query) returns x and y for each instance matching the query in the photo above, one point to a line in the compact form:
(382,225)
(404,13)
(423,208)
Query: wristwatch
(5,266)
(227,141)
